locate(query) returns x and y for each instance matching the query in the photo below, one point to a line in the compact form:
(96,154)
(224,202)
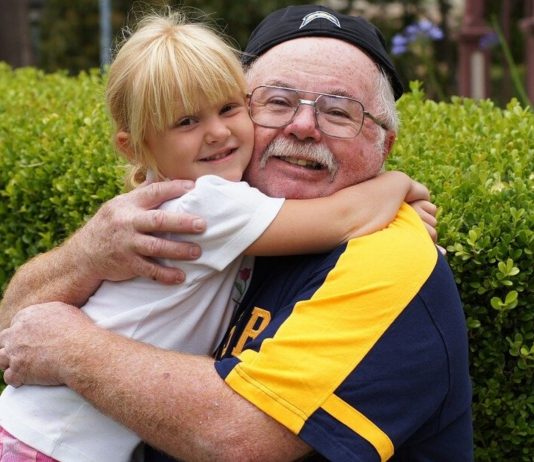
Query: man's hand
(117,243)
(35,349)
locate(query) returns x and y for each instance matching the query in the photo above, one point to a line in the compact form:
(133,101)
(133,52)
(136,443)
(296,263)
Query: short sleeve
(236,215)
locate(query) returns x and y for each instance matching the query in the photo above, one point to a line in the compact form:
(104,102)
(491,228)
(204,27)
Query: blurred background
(475,48)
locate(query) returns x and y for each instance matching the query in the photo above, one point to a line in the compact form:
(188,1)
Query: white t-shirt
(191,317)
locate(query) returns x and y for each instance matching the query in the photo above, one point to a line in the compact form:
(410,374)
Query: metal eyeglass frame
(313,103)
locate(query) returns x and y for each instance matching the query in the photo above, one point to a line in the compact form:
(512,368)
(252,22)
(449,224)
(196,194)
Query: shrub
(57,167)
(57,164)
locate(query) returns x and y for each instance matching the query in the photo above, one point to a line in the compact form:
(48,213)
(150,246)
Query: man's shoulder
(404,237)
(399,255)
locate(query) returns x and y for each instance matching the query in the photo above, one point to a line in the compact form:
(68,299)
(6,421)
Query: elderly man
(357,354)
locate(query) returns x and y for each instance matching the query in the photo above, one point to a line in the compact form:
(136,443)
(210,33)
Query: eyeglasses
(335,116)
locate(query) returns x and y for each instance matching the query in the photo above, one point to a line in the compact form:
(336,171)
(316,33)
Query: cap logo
(319,15)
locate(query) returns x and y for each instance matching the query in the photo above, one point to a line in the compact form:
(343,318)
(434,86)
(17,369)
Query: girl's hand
(427,212)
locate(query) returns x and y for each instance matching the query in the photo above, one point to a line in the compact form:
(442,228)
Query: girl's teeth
(217,157)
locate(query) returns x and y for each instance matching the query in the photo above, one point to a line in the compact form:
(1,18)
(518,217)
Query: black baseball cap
(319,21)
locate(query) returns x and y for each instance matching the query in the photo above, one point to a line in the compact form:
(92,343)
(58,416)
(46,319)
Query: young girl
(177,96)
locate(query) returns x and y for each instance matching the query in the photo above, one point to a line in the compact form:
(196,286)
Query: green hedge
(56,161)
(56,167)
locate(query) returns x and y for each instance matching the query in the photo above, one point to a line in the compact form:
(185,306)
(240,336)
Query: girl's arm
(317,225)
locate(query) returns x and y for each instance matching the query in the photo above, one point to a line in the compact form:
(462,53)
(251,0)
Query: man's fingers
(152,221)
(11,378)
(153,195)
(156,247)
(4,360)
(119,242)
(153,247)
(148,269)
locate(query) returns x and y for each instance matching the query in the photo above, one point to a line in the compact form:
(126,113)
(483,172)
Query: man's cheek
(262,137)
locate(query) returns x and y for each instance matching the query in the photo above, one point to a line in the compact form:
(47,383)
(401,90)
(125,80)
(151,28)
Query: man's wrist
(81,260)
(84,347)
(74,250)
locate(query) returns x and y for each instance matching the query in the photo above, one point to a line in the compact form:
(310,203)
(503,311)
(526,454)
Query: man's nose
(304,124)
(216,130)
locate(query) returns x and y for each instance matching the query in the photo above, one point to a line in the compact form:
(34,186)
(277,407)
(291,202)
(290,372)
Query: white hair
(386,110)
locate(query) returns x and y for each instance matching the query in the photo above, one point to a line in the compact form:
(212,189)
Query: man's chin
(292,190)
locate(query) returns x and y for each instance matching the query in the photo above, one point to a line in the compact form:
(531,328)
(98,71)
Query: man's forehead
(322,64)
(307,43)
(317,53)
(336,91)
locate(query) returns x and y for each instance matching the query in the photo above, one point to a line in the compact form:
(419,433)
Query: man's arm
(173,401)
(116,244)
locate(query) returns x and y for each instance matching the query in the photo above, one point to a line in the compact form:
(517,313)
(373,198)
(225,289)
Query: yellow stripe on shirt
(360,424)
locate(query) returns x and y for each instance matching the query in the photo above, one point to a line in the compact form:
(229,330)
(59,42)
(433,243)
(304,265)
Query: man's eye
(337,113)
(279,102)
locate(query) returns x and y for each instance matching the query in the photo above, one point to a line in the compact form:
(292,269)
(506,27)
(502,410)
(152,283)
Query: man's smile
(310,164)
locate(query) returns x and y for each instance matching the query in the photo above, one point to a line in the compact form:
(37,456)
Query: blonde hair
(168,66)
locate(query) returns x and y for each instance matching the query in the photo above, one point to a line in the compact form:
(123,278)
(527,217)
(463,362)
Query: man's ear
(122,142)
(391,136)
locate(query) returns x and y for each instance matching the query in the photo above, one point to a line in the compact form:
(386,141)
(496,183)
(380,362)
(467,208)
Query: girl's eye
(228,107)
(185,122)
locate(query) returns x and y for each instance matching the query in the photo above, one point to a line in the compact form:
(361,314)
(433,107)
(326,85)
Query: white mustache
(284,147)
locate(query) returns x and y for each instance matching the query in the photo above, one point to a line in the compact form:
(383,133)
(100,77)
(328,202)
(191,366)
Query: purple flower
(399,40)
(422,28)
(411,31)
(435,33)
(399,44)
(398,50)
(425,25)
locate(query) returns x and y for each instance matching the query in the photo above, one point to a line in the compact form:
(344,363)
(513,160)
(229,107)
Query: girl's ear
(122,142)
